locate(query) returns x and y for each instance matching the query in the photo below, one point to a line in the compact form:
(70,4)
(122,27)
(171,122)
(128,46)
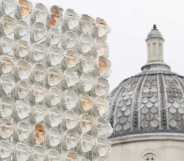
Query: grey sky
(130,21)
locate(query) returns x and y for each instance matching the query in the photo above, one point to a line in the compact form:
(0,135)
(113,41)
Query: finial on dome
(154,33)
(154,27)
(155,46)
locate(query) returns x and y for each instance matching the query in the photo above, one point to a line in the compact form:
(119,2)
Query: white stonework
(164,150)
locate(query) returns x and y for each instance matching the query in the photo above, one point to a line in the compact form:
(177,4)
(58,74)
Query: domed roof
(149,102)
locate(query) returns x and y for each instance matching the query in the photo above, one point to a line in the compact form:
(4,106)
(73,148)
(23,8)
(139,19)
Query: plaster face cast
(51,102)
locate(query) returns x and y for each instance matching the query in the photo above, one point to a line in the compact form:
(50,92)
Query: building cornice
(147,137)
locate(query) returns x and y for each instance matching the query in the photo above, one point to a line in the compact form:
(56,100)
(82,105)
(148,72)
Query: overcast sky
(130,22)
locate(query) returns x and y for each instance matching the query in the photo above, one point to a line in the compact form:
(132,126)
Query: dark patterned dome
(150,102)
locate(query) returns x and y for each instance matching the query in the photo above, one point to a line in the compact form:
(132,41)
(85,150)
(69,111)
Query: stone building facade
(147,111)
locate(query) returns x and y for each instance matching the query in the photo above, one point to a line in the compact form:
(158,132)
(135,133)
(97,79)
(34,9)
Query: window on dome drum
(149,157)
(154,43)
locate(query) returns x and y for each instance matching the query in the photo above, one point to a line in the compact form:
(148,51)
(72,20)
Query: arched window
(149,157)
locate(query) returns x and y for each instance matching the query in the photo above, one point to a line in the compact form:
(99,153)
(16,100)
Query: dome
(151,102)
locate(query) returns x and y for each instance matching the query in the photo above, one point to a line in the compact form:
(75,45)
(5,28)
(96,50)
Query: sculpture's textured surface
(53,84)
